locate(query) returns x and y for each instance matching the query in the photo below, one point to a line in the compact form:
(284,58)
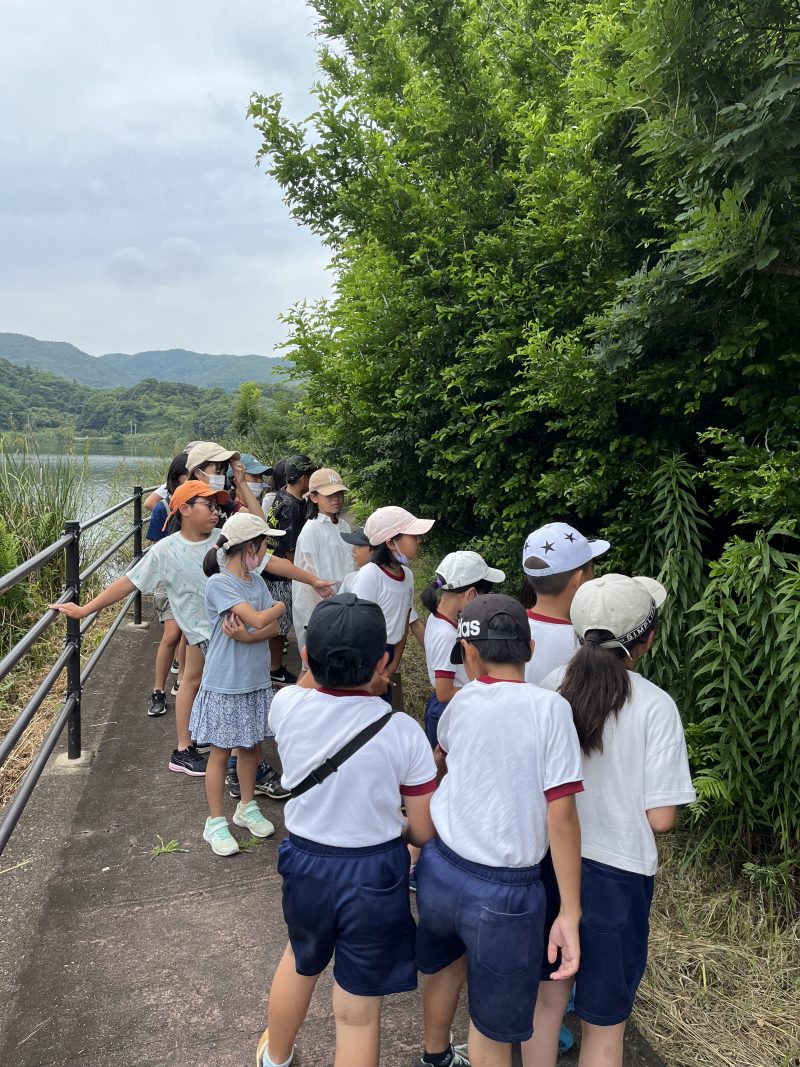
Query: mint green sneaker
(249,816)
(218,835)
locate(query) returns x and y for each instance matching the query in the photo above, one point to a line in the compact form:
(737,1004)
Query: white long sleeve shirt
(321,550)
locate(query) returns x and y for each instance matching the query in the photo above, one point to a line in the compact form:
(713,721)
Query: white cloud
(132,214)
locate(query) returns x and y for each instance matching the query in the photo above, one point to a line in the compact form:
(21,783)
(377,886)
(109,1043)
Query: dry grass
(20,686)
(723,979)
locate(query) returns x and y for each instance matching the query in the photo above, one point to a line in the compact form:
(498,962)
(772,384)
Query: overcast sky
(132,215)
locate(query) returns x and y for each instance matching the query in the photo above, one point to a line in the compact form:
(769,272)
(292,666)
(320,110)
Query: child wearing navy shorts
(480,898)
(345,862)
(460,577)
(636,772)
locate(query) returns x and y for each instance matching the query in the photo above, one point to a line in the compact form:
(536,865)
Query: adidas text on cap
(475,622)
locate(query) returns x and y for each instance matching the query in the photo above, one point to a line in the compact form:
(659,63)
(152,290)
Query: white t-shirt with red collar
(393,595)
(643,765)
(527,737)
(555,646)
(440,636)
(359,805)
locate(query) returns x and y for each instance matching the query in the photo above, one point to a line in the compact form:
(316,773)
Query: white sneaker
(250,817)
(175,667)
(217,833)
(174,691)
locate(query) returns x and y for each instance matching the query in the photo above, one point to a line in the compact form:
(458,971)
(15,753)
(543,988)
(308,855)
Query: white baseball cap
(460,569)
(389,522)
(625,607)
(556,548)
(208,452)
(244,526)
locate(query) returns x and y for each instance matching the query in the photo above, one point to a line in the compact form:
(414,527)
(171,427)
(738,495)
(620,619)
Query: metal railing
(69,714)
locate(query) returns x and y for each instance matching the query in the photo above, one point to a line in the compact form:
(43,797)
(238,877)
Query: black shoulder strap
(326,769)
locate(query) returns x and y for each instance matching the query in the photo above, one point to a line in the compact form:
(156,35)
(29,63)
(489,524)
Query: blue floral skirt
(231,720)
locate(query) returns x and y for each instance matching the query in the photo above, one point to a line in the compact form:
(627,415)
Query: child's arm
(417,627)
(151,501)
(420,824)
(258,619)
(662,819)
(445,690)
(565,849)
(233,627)
(244,494)
(399,648)
(118,590)
(284,569)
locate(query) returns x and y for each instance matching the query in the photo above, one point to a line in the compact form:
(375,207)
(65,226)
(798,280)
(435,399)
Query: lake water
(110,478)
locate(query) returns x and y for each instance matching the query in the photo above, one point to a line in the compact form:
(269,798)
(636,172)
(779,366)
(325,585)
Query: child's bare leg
(551,1002)
(601,1046)
(165,652)
(181,657)
(439,1003)
(190,683)
(246,769)
(358,1029)
(289,998)
(215,780)
(483,1052)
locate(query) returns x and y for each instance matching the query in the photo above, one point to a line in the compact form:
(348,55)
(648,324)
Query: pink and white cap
(389,522)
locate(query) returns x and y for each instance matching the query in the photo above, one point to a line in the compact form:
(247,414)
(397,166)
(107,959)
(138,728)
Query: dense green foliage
(568,267)
(119,368)
(167,409)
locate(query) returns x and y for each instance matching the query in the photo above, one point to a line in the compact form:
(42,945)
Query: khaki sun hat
(208,452)
(326,482)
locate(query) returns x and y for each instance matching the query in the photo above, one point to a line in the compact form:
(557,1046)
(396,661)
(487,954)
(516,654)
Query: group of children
(545,766)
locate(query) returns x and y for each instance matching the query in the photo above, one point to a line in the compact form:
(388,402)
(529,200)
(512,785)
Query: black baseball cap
(475,622)
(356,537)
(344,623)
(296,466)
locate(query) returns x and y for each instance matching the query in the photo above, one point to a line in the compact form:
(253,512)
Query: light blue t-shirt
(233,666)
(175,564)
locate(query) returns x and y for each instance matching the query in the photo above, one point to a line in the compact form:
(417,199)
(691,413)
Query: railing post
(73,581)
(137,548)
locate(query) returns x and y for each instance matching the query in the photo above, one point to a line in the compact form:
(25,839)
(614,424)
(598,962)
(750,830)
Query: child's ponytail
(211,562)
(596,685)
(430,594)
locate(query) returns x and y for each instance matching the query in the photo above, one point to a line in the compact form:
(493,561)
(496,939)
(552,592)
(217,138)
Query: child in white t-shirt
(394,535)
(460,577)
(556,560)
(320,548)
(345,864)
(481,901)
(636,772)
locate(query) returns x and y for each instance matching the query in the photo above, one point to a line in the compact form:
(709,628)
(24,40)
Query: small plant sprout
(163,847)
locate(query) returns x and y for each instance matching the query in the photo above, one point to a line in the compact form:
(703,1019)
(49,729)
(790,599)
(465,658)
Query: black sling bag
(334,762)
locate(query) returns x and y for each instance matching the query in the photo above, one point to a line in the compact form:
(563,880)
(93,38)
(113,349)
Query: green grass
(165,848)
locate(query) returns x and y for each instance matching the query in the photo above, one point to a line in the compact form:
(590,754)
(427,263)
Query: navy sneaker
(157,704)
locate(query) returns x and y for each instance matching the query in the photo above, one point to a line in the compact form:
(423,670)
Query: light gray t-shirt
(177,565)
(233,666)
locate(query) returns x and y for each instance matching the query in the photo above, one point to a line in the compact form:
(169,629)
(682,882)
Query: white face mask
(216,481)
(257,488)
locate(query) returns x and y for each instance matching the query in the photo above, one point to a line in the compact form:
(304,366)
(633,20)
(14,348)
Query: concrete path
(113,958)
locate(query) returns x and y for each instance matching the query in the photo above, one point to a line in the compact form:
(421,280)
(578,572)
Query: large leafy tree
(567,255)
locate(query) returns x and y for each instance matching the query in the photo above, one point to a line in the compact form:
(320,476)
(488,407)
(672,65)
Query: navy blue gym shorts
(614,929)
(351,902)
(496,916)
(433,712)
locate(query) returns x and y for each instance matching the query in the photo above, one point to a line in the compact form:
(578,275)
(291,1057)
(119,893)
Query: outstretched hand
(323,587)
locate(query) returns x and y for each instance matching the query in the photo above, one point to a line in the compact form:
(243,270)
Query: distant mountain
(120,369)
